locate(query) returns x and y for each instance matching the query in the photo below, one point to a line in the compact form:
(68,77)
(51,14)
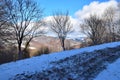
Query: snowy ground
(112,72)
(41,63)
(85,66)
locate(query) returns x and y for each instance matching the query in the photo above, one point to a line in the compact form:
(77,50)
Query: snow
(111,73)
(43,62)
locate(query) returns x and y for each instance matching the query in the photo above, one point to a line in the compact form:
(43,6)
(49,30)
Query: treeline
(22,20)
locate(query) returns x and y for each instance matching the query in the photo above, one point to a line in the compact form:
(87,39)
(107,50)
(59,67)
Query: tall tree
(61,25)
(23,15)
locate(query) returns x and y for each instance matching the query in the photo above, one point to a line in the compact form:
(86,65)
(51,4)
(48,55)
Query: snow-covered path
(43,62)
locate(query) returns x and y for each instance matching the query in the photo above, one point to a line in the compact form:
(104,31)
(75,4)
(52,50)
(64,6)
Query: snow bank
(43,62)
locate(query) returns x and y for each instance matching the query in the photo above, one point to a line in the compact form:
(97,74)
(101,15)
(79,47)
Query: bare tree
(93,27)
(61,25)
(21,14)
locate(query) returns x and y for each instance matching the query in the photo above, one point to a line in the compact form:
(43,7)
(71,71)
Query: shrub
(43,50)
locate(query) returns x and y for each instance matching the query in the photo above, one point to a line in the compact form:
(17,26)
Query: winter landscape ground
(59,40)
(101,62)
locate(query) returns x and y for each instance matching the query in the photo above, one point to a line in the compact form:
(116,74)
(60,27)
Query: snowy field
(37,64)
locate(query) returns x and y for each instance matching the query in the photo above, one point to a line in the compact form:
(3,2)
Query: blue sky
(71,5)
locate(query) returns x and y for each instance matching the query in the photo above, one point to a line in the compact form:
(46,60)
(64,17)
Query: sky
(78,10)
(71,5)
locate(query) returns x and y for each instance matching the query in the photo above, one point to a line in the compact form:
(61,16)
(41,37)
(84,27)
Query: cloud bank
(95,7)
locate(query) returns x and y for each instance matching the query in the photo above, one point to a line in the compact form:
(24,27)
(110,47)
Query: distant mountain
(79,39)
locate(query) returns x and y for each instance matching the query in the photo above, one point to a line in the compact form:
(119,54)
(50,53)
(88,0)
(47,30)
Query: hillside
(52,43)
(79,64)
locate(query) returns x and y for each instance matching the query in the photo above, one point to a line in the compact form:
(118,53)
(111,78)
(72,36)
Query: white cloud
(95,7)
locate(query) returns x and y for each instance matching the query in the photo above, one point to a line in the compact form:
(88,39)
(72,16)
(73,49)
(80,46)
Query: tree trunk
(26,51)
(26,46)
(62,41)
(19,51)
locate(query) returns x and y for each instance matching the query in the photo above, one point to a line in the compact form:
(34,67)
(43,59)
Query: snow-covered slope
(43,62)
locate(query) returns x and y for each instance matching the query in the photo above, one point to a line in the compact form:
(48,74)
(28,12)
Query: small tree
(94,28)
(61,25)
